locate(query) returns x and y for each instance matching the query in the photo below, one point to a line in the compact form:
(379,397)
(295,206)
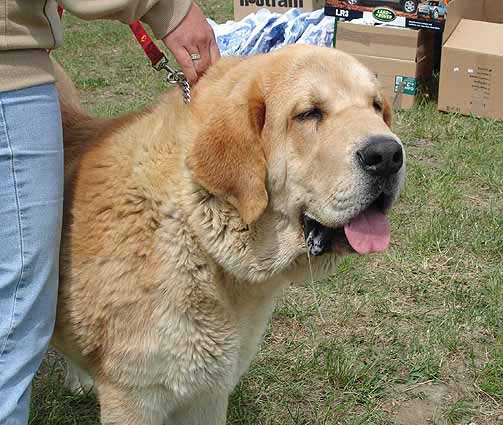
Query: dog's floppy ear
(228,159)
(387,112)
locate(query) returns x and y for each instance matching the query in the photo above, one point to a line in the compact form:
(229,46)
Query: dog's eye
(314,113)
(378,105)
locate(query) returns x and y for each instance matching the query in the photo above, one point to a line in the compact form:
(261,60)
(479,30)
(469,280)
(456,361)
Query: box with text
(418,14)
(243,8)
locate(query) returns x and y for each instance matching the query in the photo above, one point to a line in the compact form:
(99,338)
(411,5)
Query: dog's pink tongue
(368,232)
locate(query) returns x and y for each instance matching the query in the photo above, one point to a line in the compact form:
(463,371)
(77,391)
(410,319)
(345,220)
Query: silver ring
(195,56)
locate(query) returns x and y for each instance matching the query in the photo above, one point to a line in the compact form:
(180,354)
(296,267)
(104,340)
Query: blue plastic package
(265,31)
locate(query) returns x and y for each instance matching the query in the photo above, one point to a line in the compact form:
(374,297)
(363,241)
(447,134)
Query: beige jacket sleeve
(163,16)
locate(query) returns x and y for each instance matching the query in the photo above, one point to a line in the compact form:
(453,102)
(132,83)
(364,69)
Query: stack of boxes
(471,72)
(394,38)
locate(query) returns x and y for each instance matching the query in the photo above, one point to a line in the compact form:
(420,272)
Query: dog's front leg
(123,406)
(208,409)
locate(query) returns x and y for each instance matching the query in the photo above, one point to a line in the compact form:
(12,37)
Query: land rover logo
(384,14)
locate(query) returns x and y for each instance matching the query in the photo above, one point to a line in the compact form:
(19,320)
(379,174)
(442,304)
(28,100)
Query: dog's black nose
(381,156)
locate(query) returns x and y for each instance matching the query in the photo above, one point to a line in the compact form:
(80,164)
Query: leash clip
(174,77)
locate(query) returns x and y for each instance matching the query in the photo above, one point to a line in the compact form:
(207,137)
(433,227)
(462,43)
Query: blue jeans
(31,201)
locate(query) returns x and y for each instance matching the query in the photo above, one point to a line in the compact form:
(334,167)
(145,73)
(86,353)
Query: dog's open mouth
(367,232)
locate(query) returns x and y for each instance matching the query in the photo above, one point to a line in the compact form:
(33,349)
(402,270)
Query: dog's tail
(79,126)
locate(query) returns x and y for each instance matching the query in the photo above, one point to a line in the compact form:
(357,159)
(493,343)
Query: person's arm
(179,23)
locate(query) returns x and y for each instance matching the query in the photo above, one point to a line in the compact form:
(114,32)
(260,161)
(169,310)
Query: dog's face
(299,142)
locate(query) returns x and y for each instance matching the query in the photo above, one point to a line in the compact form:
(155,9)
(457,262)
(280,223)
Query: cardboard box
(243,8)
(471,74)
(418,14)
(400,58)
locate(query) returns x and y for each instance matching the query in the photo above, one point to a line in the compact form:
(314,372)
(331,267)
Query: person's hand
(193,37)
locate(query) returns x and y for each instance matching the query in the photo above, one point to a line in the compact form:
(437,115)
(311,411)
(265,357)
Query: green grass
(412,336)
(491,377)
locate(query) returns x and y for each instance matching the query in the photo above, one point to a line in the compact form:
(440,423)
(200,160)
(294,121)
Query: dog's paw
(77,380)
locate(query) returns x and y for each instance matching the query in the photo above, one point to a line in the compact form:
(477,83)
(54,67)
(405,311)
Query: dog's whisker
(311,285)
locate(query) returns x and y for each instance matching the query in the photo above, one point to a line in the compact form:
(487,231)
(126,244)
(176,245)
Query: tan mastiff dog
(183,224)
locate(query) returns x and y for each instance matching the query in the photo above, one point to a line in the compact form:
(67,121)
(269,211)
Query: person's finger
(183,58)
(204,61)
(214,51)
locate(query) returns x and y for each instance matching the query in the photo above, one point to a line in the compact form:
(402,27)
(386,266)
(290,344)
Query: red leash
(157,58)
(148,46)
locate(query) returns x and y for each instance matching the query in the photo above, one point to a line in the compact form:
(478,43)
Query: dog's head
(299,143)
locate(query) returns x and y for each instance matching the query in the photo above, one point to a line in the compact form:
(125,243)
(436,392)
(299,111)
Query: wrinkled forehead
(332,76)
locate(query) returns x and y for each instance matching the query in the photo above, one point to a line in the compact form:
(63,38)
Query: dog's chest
(253,311)
(252,324)
(188,355)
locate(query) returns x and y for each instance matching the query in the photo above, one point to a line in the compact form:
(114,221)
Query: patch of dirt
(423,404)
(415,412)
(426,403)
(422,150)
